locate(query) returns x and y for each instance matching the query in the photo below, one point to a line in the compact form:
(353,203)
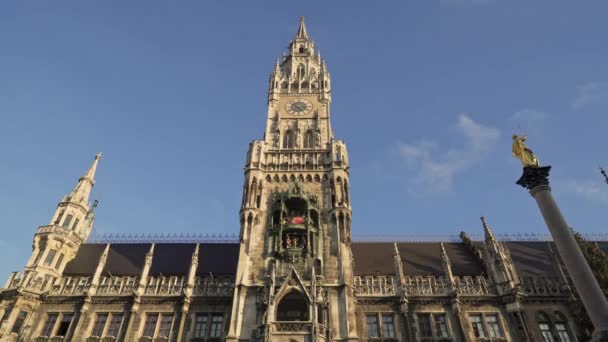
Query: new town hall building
(294,275)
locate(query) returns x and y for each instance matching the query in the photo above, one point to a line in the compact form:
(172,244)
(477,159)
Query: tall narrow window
(424,322)
(200,325)
(38,257)
(49,325)
(165,325)
(309,141)
(441,328)
(388,326)
(75,225)
(115,323)
(64,324)
(493,326)
(49,257)
(477,325)
(150,326)
(372,325)
(68,219)
(58,263)
(217,325)
(100,325)
(545,327)
(545,330)
(288,139)
(301,69)
(19,322)
(562,332)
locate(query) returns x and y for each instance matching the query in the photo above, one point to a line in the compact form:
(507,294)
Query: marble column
(536,180)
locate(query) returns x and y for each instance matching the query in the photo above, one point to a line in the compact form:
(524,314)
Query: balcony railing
(213,286)
(115,285)
(165,286)
(60,231)
(374,286)
(542,286)
(471,286)
(425,286)
(74,286)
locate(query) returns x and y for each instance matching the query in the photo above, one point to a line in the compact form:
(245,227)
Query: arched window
(293,307)
(309,140)
(553,330)
(288,139)
(301,50)
(338,156)
(561,328)
(284,85)
(301,71)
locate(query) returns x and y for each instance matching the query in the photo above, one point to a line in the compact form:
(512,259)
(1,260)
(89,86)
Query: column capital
(533,177)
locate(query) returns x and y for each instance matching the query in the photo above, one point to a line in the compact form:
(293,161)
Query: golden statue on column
(523,153)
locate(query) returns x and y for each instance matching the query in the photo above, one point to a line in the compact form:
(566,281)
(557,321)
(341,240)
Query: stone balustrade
(49,339)
(165,286)
(114,285)
(425,286)
(471,286)
(100,339)
(213,286)
(543,286)
(374,286)
(59,230)
(31,281)
(75,286)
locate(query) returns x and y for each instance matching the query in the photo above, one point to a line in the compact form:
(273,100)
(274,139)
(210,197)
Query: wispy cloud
(595,191)
(590,93)
(529,116)
(435,172)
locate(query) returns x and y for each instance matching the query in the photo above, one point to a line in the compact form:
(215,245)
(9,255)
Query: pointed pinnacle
(302,34)
(444,254)
(489,235)
(90,175)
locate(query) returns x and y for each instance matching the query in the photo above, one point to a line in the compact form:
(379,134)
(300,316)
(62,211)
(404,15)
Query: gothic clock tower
(294,278)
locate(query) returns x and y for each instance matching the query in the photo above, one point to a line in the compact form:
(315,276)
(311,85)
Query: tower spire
(489,235)
(302,34)
(82,191)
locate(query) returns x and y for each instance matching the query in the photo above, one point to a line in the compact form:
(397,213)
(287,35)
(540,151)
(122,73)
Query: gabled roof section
(85,261)
(534,258)
(127,259)
(418,258)
(172,258)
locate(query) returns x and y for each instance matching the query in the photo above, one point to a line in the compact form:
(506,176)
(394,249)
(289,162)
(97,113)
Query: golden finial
(523,153)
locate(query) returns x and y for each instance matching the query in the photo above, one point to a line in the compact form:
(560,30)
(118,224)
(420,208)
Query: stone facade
(294,275)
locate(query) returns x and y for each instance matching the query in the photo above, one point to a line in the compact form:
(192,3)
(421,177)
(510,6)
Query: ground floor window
(158,324)
(432,326)
(107,324)
(19,322)
(57,324)
(208,324)
(486,325)
(553,328)
(380,325)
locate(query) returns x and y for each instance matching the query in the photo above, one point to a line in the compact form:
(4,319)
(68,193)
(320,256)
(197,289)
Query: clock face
(298,107)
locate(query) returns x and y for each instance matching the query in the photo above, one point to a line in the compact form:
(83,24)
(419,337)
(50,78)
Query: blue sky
(425,93)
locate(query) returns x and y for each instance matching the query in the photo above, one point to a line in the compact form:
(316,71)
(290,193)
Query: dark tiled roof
(418,258)
(218,258)
(533,258)
(373,258)
(85,261)
(126,259)
(169,259)
(172,258)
